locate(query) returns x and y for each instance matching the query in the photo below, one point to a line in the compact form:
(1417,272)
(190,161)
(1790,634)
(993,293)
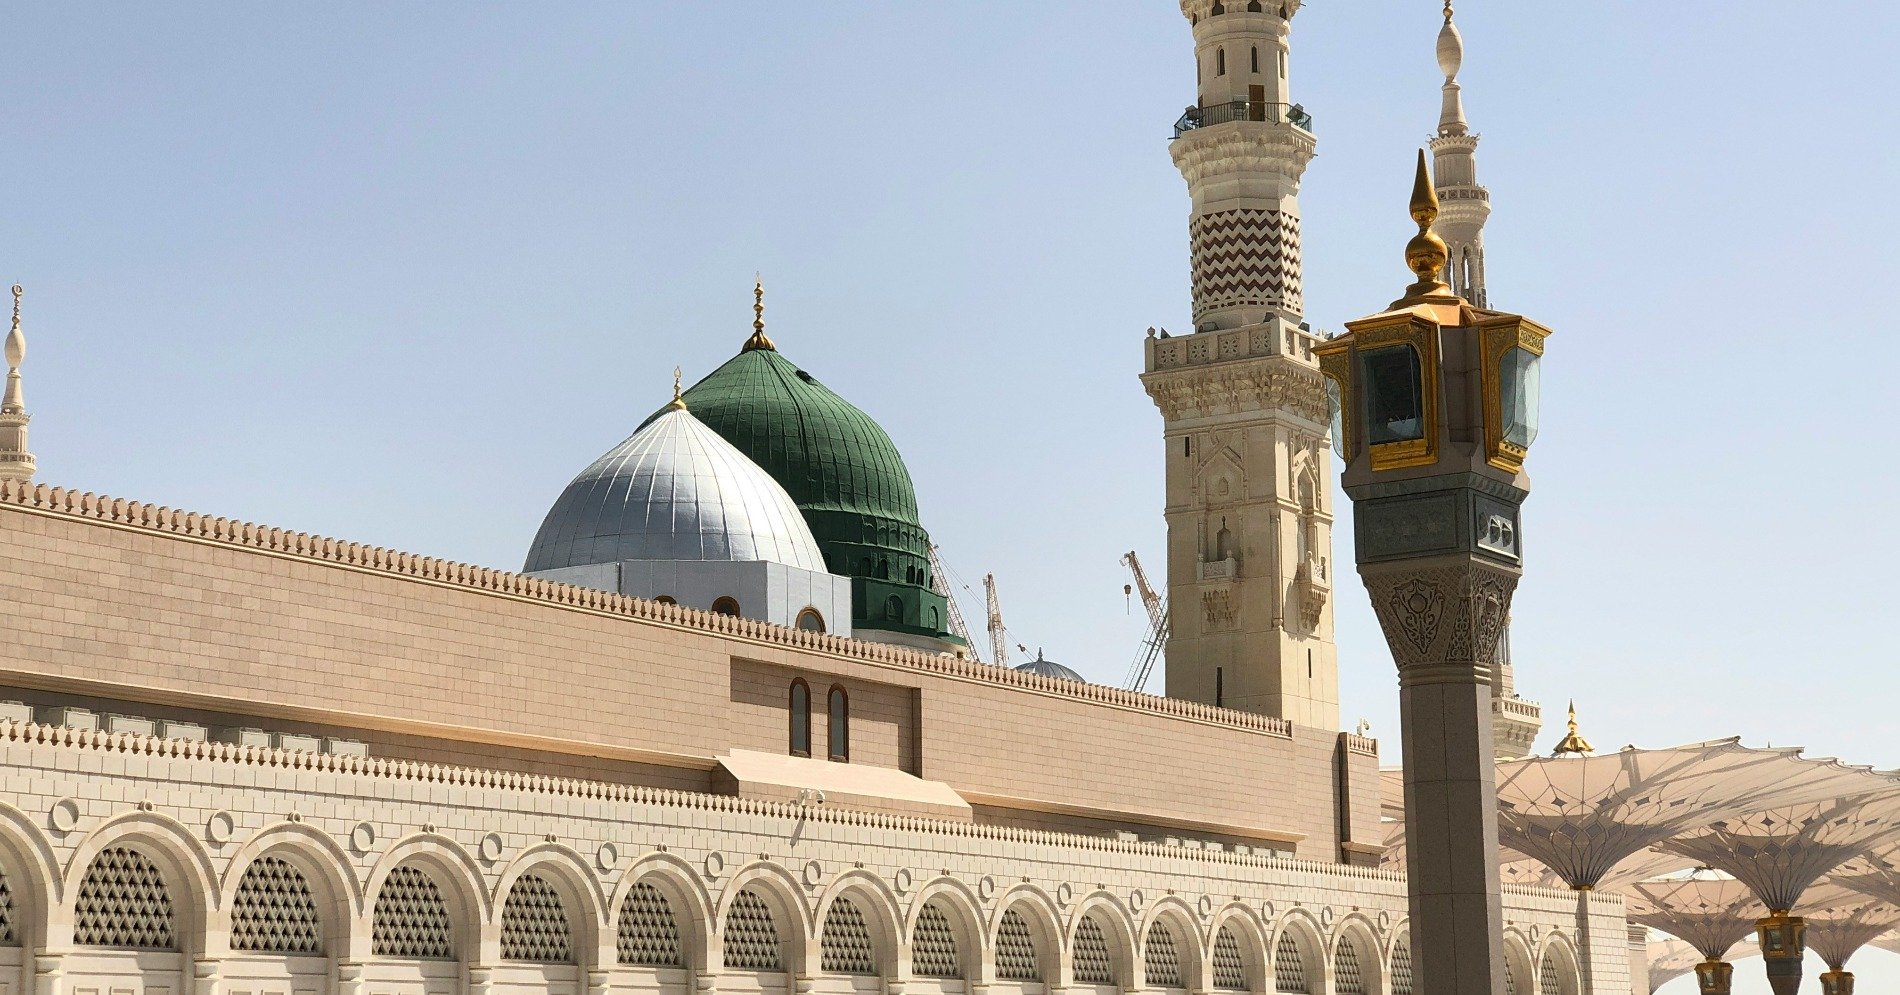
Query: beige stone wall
(883,718)
(152,605)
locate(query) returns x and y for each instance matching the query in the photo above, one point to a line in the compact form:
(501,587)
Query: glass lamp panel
(1338,411)
(1518,379)
(1395,395)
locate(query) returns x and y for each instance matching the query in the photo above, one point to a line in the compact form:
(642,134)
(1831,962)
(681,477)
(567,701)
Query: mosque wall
(159,867)
(175,609)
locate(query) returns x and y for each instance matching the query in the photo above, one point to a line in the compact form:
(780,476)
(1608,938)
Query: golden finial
(679,402)
(758,339)
(1572,743)
(1426,253)
(1447,11)
(15,348)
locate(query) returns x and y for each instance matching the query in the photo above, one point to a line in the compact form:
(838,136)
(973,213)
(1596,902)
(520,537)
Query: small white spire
(1451,56)
(15,462)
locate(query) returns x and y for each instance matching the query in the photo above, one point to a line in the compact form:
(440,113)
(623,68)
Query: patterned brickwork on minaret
(1248,492)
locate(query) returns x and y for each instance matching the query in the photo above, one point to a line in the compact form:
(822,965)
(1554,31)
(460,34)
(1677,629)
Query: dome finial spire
(1573,744)
(758,339)
(1426,252)
(15,462)
(679,402)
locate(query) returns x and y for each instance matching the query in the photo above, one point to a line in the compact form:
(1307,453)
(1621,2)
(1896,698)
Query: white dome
(674,490)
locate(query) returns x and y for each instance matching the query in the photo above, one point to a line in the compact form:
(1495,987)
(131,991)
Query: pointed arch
(324,868)
(769,908)
(1026,937)
(184,867)
(1357,968)
(1520,963)
(870,918)
(568,891)
(1170,943)
(1245,943)
(1299,960)
(943,933)
(1113,928)
(640,926)
(447,871)
(31,870)
(1557,972)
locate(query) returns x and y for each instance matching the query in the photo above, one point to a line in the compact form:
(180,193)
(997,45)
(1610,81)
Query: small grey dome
(1049,668)
(674,490)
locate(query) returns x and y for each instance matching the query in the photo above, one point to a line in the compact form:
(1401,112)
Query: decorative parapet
(140,745)
(1362,745)
(192,526)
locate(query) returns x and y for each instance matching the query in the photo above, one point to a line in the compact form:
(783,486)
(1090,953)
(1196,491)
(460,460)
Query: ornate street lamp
(1436,408)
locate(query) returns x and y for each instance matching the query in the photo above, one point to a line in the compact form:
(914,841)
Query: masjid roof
(1847,920)
(674,490)
(1672,958)
(1049,668)
(1780,851)
(1584,815)
(1711,914)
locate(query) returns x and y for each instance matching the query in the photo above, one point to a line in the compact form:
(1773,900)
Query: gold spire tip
(679,402)
(1426,253)
(759,340)
(1573,744)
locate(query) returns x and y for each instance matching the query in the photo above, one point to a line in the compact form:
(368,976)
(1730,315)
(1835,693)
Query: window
(1254,54)
(936,620)
(883,569)
(1395,397)
(810,621)
(1220,62)
(1187,445)
(801,718)
(1220,688)
(726,606)
(894,609)
(864,567)
(1283,64)
(838,714)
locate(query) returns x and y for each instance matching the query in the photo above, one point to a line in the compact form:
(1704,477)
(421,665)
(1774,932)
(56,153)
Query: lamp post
(1435,406)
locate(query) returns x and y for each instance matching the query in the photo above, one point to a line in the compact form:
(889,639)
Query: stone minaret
(15,462)
(1463,204)
(1249,499)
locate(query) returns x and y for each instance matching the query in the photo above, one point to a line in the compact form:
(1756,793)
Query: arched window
(410,919)
(894,609)
(810,621)
(1253,6)
(838,717)
(751,937)
(1161,961)
(726,606)
(864,567)
(1230,969)
(666,599)
(933,945)
(1093,965)
(1289,975)
(1220,62)
(124,902)
(1254,59)
(1016,950)
(1402,965)
(534,924)
(1347,978)
(1223,542)
(936,619)
(648,935)
(845,943)
(883,569)
(274,911)
(801,718)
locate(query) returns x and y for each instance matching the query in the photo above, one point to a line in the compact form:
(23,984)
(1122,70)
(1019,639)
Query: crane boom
(999,636)
(1157,637)
(939,582)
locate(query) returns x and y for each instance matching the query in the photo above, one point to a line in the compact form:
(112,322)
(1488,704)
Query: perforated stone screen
(123,902)
(1093,966)
(410,919)
(8,936)
(1289,975)
(1016,950)
(1346,977)
(1230,971)
(1547,981)
(1160,960)
(274,911)
(751,942)
(648,933)
(845,945)
(1402,966)
(933,945)
(533,923)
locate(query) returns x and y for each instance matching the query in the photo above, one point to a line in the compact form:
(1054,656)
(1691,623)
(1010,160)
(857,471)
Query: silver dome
(1049,668)
(674,490)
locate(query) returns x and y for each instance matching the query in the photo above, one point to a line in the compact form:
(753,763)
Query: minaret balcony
(1259,111)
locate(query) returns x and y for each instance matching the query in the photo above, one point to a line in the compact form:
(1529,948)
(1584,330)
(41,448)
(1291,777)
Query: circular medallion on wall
(1385,921)
(491,847)
(1205,906)
(814,873)
(1326,917)
(901,881)
(1266,912)
(1065,893)
(1534,932)
(362,838)
(64,815)
(715,864)
(607,856)
(1136,900)
(986,888)
(219,828)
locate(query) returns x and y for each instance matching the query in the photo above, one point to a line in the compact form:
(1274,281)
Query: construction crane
(940,583)
(1157,637)
(999,636)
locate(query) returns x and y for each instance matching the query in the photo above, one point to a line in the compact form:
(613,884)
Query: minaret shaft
(1464,204)
(1248,499)
(16,463)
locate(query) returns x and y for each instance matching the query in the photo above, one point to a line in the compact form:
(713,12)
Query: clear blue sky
(395,272)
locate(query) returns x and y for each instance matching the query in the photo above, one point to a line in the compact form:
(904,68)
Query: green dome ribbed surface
(826,453)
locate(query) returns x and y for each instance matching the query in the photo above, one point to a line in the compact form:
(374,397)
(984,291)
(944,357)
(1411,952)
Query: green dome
(843,472)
